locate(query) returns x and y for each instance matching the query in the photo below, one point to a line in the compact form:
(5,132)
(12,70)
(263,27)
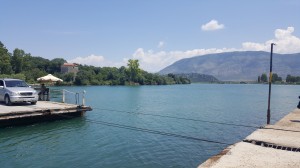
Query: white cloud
(212,25)
(285,42)
(153,61)
(161,44)
(95,60)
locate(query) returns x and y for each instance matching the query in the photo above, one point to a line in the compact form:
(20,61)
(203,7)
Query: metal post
(63,95)
(83,98)
(270,83)
(48,95)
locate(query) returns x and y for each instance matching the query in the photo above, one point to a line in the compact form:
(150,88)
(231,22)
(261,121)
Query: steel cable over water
(110,124)
(161,132)
(180,118)
(154,131)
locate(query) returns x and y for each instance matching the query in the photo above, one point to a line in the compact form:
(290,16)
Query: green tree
(69,77)
(30,62)
(276,78)
(5,66)
(264,77)
(292,79)
(33,74)
(122,75)
(85,77)
(17,76)
(288,78)
(133,70)
(17,60)
(27,62)
(55,65)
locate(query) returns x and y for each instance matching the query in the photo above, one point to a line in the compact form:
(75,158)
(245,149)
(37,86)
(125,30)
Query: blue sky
(157,32)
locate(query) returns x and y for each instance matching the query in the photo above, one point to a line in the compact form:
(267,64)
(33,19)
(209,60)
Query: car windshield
(15,83)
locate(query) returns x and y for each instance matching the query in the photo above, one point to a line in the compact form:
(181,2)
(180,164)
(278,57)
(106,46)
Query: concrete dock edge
(276,146)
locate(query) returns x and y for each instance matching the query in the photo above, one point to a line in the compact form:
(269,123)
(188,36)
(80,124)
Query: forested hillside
(22,65)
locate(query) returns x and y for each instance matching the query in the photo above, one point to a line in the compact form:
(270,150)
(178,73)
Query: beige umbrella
(49,78)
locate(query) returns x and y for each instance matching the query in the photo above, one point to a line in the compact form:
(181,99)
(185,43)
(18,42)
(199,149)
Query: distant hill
(237,66)
(195,77)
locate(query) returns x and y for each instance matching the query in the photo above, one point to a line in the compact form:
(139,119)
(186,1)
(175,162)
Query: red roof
(70,64)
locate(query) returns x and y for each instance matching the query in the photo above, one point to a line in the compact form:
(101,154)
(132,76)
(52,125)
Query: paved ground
(40,105)
(285,134)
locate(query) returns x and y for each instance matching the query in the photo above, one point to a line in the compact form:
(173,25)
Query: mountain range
(195,77)
(237,66)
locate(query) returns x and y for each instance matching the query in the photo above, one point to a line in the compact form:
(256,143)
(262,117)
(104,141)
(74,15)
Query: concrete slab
(247,155)
(285,132)
(292,120)
(278,137)
(40,105)
(21,114)
(283,128)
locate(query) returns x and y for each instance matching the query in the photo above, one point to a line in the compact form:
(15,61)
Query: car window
(1,82)
(15,83)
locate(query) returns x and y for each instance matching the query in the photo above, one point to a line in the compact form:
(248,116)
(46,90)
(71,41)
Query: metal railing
(66,96)
(76,96)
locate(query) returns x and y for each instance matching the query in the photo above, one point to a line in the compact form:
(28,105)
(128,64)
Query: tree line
(277,79)
(293,79)
(22,65)
(131,75)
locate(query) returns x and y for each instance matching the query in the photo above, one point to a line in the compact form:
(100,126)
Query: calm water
(85,142)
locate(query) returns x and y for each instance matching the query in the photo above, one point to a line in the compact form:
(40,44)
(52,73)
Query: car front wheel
(7,100)
(33,103)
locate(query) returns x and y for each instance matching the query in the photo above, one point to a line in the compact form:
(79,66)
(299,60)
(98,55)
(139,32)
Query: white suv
(16,90)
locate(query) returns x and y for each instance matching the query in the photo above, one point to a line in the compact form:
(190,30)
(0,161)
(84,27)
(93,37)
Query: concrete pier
(43,111)
(274,146)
